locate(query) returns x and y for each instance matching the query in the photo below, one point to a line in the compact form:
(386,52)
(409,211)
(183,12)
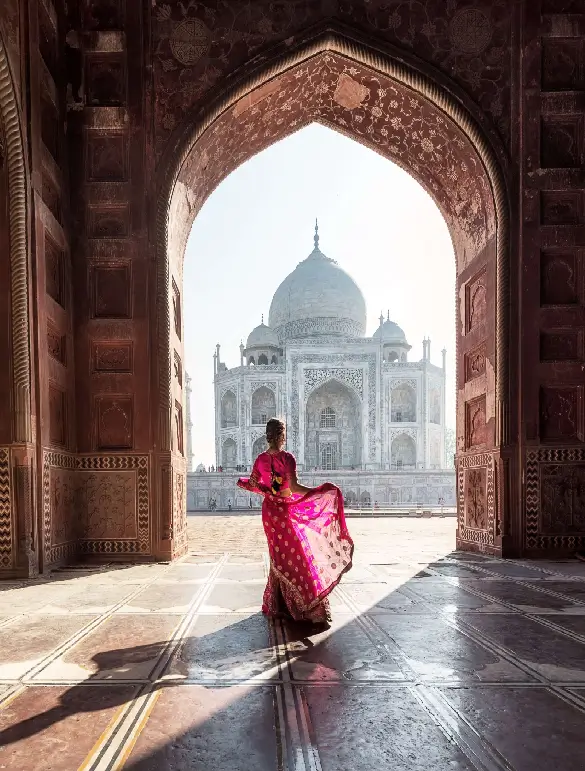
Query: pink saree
(308,542)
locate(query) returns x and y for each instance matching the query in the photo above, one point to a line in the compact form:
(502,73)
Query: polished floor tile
(547,733)
(192,728)
(435,661)
(228,647)
(54,728)
(374,728)
(124,647)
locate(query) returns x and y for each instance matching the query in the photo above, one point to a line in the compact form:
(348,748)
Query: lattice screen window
(329,457)
(328,417)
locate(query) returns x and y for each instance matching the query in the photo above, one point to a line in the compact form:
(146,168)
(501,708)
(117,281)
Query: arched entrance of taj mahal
(408,120)
(92,443)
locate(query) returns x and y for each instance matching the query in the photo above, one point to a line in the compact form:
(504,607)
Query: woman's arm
(296,487)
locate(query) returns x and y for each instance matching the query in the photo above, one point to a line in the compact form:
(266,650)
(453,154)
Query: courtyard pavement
(436,661)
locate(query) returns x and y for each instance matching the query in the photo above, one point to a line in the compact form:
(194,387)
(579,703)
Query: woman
(308,542)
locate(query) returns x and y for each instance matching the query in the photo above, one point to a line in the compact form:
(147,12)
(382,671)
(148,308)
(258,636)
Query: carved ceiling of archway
(365,105)
(197,44)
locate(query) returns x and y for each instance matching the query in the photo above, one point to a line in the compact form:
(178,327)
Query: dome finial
(262,319)
(316,236)
(388,316)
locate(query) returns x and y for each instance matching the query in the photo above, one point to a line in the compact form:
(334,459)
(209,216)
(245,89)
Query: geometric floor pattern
(436,661)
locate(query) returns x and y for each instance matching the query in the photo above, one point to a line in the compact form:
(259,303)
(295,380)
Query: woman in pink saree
(308,542)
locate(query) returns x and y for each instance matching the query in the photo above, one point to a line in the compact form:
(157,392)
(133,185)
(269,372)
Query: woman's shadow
(196,656)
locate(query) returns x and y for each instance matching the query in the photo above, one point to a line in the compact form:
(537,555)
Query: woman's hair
(274,429)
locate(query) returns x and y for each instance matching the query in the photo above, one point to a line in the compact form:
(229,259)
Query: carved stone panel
(178,428)
(562,498)
(56,345)
(475,422)
(107,157)
(104,14)
(108,502)
(559,278)
(54,276)
(349,93)
(178,369)
(179,514)
(105,80)
(562,64)
(108,222)
(113,357)
(561,207)
(561,345)
(177,317)
(122,527)
(475,301)
(476,504)
(114,416)
(475,362)
(112,291)
(57,416)
(561,138)
(62,502)
(561,413)
(51,196)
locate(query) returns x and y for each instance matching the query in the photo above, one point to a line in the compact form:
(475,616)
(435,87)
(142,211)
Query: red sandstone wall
(105,460)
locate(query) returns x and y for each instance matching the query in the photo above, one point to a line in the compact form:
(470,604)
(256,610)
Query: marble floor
(437,661)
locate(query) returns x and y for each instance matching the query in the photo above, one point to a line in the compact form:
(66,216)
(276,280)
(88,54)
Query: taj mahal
(358,412)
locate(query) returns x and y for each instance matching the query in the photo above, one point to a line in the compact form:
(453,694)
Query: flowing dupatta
(309,545)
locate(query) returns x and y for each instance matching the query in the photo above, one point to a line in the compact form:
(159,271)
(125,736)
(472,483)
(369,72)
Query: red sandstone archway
(415,122)
(18,529)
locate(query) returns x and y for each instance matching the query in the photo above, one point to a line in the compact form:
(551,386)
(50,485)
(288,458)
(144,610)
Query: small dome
(390,332)
(262,337)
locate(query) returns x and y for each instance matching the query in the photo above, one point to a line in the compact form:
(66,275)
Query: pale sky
(375,220)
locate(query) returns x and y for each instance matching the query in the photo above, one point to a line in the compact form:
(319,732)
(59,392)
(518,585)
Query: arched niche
(229,410)
(229,454)
(338,444)
(403,451)
(263,405)
(403,404)
(412,117)
(260,445)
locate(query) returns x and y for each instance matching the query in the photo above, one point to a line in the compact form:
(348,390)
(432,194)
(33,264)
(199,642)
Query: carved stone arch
(339,381)
(188,174)
(15,163)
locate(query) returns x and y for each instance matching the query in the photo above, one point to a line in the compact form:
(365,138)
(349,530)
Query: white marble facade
(350,402)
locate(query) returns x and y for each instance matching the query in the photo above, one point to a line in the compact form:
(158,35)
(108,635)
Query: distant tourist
(229,504)
(316,534)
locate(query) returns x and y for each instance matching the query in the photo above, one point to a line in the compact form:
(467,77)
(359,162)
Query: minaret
(242,349)
(444,354)
(381,318)
(188,390)
(429,350)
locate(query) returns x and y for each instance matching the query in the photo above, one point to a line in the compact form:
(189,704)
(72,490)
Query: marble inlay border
(6,551)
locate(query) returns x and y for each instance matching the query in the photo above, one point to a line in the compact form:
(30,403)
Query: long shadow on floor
(399,641)
(113,666)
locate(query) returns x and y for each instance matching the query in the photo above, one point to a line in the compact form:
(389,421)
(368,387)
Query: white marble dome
(318,299)
(390,332)
(262,337)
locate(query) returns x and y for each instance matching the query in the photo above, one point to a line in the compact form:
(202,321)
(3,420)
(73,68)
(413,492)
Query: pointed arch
(14,159)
